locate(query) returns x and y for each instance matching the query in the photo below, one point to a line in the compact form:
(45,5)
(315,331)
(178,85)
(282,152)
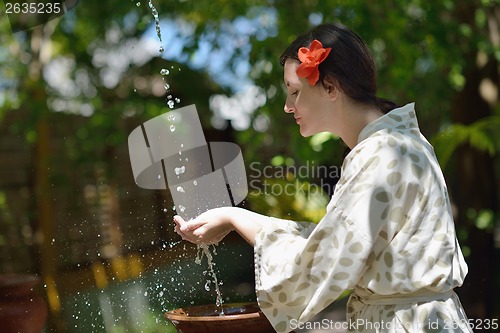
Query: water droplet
(172,128)
(180,152)
(161,49)
(164,71)
(171,117)
(135,90)
(207,285)
(182,145)
(182,208)
(170,104)
(159,176)
(169,97)
(180,170)
(180,189)
(177,100)
(166,86)
(138,4)
(164,210)
(195,182)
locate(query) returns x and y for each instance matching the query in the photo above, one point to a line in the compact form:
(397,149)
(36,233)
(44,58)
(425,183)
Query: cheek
(303,103)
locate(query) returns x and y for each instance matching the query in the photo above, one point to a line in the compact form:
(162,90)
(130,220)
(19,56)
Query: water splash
(204,250)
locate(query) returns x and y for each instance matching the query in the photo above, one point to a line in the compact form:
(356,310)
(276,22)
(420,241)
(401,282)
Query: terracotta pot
(22,309)
(237,318)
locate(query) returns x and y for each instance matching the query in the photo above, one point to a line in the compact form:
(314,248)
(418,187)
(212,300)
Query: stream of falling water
(205,250)
(157,22)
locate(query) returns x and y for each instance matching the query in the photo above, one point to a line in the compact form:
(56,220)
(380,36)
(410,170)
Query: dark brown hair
(350,64)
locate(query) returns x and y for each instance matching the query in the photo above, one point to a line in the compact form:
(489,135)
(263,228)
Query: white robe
(388,234)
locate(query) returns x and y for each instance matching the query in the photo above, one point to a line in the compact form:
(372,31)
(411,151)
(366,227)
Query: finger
(177,229)
(188,237)
(179,220)
(192,225)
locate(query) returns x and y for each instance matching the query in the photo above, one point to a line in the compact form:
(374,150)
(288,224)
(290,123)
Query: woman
(388,233)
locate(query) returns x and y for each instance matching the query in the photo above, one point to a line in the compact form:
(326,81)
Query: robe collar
(402,119)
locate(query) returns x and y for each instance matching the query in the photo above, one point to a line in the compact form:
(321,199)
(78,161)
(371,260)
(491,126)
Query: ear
(331,87)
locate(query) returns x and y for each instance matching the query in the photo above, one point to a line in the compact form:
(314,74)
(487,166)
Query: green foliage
(421,51)
(483,219)
(482,135)
(289,198)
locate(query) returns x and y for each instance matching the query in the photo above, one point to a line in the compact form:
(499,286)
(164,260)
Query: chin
(305,132)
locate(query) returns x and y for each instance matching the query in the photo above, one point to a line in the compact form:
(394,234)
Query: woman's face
(310,105)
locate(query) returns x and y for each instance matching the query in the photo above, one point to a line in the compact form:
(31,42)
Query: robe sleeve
(298,275)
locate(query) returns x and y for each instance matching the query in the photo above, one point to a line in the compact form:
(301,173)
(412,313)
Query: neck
(355,118)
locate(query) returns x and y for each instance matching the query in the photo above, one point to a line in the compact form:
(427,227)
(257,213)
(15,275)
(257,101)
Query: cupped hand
(208,228)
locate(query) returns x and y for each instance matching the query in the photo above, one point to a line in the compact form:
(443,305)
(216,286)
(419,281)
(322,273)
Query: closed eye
(295,93)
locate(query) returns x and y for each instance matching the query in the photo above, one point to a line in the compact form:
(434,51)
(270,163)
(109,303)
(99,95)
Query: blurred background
(72,89)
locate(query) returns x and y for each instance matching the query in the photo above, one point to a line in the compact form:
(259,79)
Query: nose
(289,107)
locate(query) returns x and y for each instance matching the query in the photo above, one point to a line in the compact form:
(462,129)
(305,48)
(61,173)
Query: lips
(297,119)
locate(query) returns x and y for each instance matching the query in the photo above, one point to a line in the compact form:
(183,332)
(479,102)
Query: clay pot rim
(175,315)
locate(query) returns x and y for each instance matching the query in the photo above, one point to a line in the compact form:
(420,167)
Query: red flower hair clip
(310,59)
